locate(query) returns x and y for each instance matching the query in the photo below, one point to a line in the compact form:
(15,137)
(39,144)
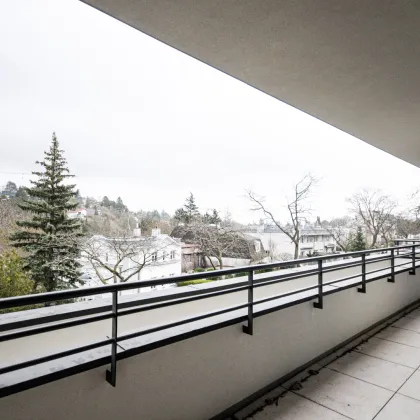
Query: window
(163,256)
(154,257)
(172,255)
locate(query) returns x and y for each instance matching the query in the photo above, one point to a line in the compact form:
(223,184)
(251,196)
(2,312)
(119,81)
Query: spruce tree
(191,208)
(189,213)
(358,242)
(50,237)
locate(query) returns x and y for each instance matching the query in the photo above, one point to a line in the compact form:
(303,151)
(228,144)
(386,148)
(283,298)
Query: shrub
(240,274)
(14,281)
(189,282)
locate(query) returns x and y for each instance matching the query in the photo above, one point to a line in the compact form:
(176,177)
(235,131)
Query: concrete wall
(200,377)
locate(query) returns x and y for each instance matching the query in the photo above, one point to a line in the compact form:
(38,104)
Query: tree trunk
(374,239)
(211,262)
(220,259)
(296,255)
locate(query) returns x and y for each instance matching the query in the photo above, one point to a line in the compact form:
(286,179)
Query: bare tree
(413,210)
(298,210)
(217,242)
(121,259)
(374,211)
(10,213)
(407,222)
(339,229)
(406,225)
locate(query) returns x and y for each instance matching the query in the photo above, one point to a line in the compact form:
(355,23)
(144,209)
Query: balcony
(210,350)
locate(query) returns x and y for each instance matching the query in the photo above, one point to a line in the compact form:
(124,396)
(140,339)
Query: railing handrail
(34,299)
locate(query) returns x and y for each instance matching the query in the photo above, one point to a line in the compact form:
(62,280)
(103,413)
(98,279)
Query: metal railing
(314,266)
(401,242)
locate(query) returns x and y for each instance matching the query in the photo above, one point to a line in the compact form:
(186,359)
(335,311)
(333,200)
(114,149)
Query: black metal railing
(246,312)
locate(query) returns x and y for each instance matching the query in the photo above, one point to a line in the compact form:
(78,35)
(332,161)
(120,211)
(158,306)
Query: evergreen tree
(50,237)
(21,193)
(120,206)
(11,189)
(164,215)
(106,202)
(213,218)
(191,208)
(358,241)
(189,212)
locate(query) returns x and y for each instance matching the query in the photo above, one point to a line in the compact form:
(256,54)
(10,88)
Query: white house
(316,239)
(136,258)
(77,214)
(313,239)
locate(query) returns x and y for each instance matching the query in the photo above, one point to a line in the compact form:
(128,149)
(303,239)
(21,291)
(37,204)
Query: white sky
(140,120)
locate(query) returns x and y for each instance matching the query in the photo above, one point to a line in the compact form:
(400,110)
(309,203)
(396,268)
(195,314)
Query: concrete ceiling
(353,64)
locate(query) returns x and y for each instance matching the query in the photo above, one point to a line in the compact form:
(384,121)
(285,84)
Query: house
(136,258)
(79,213)
(314,239)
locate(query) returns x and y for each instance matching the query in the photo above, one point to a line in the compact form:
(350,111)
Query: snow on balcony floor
(379,379)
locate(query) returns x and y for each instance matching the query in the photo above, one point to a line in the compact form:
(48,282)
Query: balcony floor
(379,379)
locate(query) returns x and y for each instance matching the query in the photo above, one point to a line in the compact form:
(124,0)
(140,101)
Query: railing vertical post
(413,260)
(249,329)
(363,288)
(111,375)
(320,303)
(392,278)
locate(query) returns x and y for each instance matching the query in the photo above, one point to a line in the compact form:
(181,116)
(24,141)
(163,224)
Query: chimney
(137,231)
(156,232)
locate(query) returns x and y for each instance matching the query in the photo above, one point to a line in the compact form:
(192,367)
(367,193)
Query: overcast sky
(140,120)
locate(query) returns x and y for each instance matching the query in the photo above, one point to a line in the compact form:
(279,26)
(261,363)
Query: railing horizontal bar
(378,270)
(54,327)
(378,259)
(358,263)
(295,292)
(55,356)
(12,302)
(179,301)
(402,264)
(354,276)
(173,298)
(178,323)
(292,276)
(286,277)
